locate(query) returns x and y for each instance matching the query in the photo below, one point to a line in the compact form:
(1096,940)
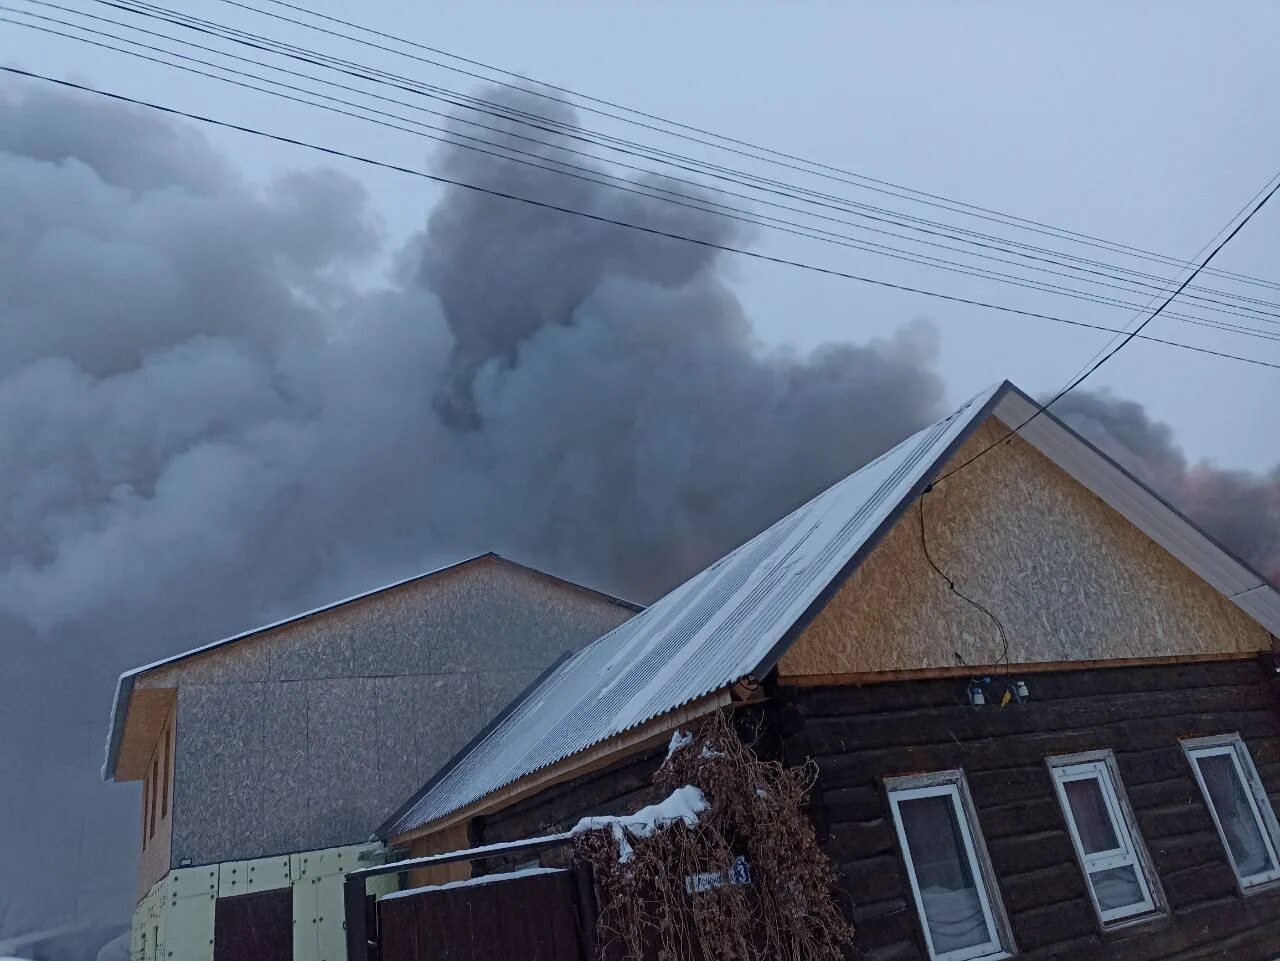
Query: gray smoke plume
(204,424)
(1241,509)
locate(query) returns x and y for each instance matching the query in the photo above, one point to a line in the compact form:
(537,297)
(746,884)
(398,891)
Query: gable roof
(735,619)
(124,686)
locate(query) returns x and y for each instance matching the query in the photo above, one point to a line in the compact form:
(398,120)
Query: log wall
(621,788)
(859,735)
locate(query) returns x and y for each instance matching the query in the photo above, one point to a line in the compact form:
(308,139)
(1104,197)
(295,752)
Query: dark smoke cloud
(1241,509)
(204,424)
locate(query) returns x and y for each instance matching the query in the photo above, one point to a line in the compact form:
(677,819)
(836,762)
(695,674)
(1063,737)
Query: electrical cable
(1198,254)
(864,181)
(700,203)
(561,128)
(1128,337)
(951,585)
(654,231)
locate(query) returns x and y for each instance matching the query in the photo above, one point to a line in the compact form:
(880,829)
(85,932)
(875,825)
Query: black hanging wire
(951,585)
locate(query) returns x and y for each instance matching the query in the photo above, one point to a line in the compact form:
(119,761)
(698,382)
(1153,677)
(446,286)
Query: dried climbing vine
(652,910)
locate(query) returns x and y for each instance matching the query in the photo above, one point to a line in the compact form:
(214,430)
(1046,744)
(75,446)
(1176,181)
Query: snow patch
(470,882)
(679,741)
(684,804)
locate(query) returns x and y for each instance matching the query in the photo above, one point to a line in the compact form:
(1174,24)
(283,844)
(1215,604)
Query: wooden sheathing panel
(1070,579)
(456,837)
(148,710)
(156,854)
(860,735)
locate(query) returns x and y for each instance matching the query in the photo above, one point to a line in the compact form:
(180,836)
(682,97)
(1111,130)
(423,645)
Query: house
(267,759)
(1041,702)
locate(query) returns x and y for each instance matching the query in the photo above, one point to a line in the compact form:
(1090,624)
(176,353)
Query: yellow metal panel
(160,925)
(186,882)
(141,916)
(381,884)
(233,878)
(306,940)
(268,874)
(189,928)
(330,914)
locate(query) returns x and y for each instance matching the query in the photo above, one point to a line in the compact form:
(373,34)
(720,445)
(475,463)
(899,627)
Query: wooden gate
(254,927)
(539,915)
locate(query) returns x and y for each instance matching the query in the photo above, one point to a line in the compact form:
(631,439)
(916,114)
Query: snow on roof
(736,618)
(710,632)
(470,882)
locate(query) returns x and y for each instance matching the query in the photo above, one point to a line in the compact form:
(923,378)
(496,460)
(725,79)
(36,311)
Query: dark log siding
(621,788)
(858,735)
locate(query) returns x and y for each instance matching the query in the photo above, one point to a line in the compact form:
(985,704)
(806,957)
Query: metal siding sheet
(707,634)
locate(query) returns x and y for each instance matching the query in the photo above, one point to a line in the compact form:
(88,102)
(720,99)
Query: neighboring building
(267,759)
(1119,806)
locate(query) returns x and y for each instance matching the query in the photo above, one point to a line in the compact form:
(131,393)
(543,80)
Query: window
(155,777)
(146,801)
(1239,805)
(164,779)
(1105,836)
(947,865)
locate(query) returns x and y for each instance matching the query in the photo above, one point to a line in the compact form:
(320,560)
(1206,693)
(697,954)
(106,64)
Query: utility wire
(951,585)
(653,231)
(770,155)
(1129,336)
(563,129)
(699,203)
(1198,254)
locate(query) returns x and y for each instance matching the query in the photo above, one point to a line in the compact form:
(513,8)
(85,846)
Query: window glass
(951,883)
(1104,835)
(1117,888)
(1239,806)
(1243,835)
(1089,811)
(952,908)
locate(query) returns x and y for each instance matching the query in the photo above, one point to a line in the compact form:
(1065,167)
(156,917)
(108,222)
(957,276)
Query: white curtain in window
(1235,814)
(952,908)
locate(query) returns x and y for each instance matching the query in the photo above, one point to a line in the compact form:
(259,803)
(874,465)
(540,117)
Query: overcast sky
(234,386)
(1144,123)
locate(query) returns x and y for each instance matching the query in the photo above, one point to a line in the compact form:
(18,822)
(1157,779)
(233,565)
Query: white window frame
(1101,766)
(1233,746)
(952,785)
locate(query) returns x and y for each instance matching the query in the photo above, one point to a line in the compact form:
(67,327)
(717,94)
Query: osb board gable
(1069,577)
(425,626)
(148,711)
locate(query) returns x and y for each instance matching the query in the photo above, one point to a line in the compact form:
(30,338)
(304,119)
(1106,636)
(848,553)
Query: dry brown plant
(652,911)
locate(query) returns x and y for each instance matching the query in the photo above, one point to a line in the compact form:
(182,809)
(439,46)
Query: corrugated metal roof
(736,618)
(708,633)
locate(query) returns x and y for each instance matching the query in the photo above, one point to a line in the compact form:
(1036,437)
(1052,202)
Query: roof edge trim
(976,418)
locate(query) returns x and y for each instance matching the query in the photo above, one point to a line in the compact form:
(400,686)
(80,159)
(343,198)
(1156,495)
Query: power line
(864,181)
(699,203)
(1198,254)
(653,231)
(1129,336)
(703,168)
(951,585)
